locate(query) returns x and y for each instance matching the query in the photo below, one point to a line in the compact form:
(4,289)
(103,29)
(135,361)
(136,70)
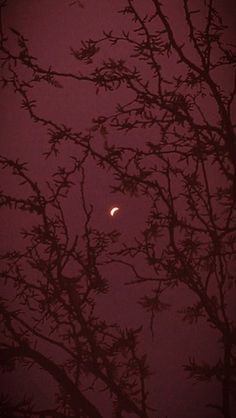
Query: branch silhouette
(183,117)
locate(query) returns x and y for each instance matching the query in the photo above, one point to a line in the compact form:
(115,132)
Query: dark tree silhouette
(58,309)
(178,136)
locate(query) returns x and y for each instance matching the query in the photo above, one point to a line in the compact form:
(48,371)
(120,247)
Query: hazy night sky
(52,28)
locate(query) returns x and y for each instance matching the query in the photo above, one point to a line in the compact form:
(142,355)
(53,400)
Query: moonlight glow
(113,211)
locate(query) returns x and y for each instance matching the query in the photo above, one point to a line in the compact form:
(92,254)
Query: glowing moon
(114,210)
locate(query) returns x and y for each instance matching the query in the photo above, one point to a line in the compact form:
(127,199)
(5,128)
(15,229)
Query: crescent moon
(114,210)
